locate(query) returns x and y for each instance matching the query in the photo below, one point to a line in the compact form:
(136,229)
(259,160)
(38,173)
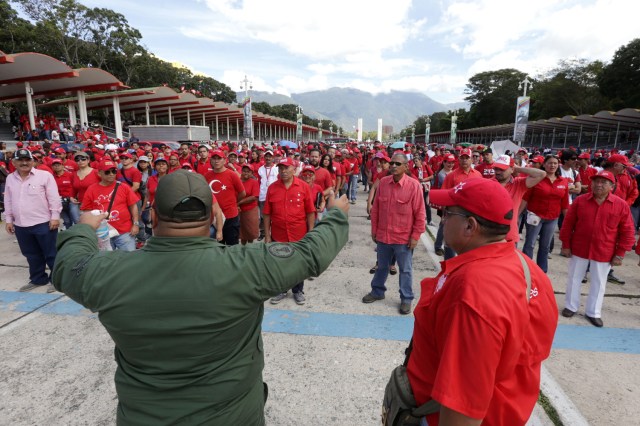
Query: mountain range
(344,106)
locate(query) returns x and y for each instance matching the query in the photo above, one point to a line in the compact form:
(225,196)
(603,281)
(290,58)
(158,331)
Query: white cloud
(333,29)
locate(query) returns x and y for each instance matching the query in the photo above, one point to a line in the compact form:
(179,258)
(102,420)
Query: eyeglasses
(476,156)
(110,172)
(447,213)
(395,163)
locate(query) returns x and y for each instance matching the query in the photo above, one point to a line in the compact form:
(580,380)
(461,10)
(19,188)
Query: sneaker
(29,287)
(299,298)
(613,279)
(277,299)
(567,313)
(405,308)
(51,288)
(439,252)
(370,298)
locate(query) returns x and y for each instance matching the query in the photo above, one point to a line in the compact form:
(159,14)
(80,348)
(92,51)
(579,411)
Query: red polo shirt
(477,343)
(203,168)
(252,189)
(226,186)
(585,176)
(486,170)
(288,208)
(598,232)
(626,188)
(398,211)
(458,175)
(547,198)
(64,182)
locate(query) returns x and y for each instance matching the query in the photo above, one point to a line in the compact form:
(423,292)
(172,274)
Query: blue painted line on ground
(571,337)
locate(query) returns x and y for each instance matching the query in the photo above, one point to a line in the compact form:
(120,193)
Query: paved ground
(326,362)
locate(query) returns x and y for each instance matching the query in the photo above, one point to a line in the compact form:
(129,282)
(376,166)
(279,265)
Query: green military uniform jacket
(185,315)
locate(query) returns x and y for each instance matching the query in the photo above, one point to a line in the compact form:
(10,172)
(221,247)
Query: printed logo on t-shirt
(441,281)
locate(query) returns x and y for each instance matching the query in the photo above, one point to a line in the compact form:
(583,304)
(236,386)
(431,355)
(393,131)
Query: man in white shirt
(268,173)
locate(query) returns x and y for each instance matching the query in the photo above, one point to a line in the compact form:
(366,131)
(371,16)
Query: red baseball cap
(56,161)
(483,197)
(286,162)
(538,159)
(126,155)
(466,152)
(585,155)
(605,175)
(619,158)
(449,158)
(107,165)
(217,153)
(309,169)
(59,151)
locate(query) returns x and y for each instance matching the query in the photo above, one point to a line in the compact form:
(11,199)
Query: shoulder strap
(113,197)
(527,274)
(125,177)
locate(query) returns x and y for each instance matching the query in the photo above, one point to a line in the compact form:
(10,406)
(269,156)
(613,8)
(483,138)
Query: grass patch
(549,409)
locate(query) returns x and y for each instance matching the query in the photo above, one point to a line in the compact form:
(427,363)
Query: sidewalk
(327,362)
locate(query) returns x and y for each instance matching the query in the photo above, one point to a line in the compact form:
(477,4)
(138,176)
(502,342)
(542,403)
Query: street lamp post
(427,131)
(454,126)
(525,84)
(413,135)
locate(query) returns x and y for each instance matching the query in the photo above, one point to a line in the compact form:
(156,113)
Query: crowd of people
(282,195)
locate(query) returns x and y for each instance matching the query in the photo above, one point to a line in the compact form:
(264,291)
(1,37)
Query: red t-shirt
(80,185)
(516,188)
(203,168)
(288,208)
(252,188)
(70,165)
(486,170)
(477,344)
(64,182)
(98,197)
(324,178)
(133,175)
(337,167)
(226,186)
(547,198)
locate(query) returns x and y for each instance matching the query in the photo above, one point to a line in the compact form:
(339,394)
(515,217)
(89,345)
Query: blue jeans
(74,210)
(124,242)
(635,215)
(545,229)
(439,236)
(404,256)
(38,244)
(353,187)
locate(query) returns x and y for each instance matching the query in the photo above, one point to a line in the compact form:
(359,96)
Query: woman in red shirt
(423,173)
(545,202)
(82,179)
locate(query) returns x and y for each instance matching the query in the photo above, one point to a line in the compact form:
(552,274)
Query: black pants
(38,244)
(231,231)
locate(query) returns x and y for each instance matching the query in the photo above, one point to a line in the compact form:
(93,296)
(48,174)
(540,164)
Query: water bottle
(104,242)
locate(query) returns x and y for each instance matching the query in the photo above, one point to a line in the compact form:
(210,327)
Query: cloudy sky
(428,46)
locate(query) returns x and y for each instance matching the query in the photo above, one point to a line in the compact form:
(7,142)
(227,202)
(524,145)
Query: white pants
(577,270)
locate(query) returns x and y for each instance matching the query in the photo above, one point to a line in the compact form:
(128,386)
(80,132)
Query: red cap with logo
(217,153)
(449,158)
(585,155)
(483,197)
(619,158)
(286,162)
(107,165)
(503,162)
(465,151)
(605,175)
(307,169)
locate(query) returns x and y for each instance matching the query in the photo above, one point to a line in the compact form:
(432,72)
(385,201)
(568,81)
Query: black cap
(487,151)
(183,197)
(23,153)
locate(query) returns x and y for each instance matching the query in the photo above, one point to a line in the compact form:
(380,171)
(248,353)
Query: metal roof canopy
(88,79)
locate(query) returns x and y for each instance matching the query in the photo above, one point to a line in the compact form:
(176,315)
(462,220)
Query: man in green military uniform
(185,312)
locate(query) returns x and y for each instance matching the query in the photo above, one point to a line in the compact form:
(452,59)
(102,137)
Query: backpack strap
(527,274)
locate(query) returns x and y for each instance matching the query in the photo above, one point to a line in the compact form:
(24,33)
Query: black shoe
(567,313)
(440,252)
(613,279)
(393,270)
(370,298)
(373,270)
(584,280)
(595,321)
(405,308)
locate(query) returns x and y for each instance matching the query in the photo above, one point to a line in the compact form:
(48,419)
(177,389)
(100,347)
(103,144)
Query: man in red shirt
(323,177)
(64,180)
(586,171)
(203,165)
(596,233)
(124,215)
(504,168)
(486,167)
(463,172)
(249,212)
(228,190)
(397,221)
(69,165)
(289,213)
(482,329)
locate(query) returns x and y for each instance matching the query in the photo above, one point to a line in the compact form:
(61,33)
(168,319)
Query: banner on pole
(454,126)
(522,118)
(248,121)
(359,135)
(379,129)
(299,127)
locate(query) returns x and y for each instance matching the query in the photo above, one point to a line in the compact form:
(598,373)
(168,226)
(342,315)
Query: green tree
(493,95)
(16,34)
(569,89)
(112,38)
(620,80)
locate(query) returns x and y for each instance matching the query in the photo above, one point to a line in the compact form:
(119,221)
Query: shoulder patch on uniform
(281,250)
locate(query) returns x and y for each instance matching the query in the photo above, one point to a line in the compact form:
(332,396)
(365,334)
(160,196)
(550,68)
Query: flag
(522,118)
(299,127)
(248,124)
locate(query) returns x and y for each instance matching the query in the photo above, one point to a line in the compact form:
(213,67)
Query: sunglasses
(110,172)
(76,159)
(395,163)
(447,213)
